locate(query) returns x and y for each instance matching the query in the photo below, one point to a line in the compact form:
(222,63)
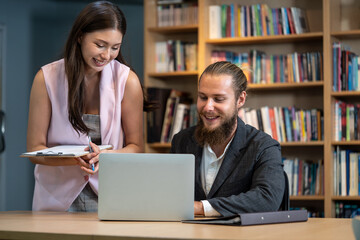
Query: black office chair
(285,204)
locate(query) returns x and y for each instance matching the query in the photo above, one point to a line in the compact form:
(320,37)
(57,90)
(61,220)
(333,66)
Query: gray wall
(35,35)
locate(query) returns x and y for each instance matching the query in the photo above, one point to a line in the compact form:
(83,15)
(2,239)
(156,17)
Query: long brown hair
(94,17)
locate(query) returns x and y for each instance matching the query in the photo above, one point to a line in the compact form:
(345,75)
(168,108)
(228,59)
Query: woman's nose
(106,54)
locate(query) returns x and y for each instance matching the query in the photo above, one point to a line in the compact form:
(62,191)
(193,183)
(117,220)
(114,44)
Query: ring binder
(246,219)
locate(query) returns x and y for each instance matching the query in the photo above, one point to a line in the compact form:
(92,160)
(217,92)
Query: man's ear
(241,100)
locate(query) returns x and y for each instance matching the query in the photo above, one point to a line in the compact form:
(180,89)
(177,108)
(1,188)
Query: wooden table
(63,226)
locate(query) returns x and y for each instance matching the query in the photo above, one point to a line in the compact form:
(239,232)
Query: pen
(91,150)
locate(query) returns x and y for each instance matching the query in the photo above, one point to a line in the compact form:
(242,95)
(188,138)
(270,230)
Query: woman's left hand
(87,160)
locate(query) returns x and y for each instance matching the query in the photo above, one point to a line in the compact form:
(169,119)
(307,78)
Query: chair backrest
(285,204)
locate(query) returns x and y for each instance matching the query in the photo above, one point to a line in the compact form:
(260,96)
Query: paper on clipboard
(63,151)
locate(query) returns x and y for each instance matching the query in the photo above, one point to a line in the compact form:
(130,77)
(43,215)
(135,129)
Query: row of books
(177,14)
(175,111)
(286,124)
(235,20)
(175,55)
(346,68)
(346,121)
(346,210)
(346,172)
(305,177)
(264,68)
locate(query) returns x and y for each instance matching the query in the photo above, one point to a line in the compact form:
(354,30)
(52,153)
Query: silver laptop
(146,186)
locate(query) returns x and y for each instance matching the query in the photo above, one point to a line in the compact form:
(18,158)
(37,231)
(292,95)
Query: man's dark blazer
(251,177)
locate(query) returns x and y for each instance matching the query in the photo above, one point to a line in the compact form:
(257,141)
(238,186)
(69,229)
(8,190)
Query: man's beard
(215,136)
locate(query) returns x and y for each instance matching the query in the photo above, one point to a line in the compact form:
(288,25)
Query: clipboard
(63,151)
(247,219)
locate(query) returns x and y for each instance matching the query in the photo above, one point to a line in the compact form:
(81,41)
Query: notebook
(146,186)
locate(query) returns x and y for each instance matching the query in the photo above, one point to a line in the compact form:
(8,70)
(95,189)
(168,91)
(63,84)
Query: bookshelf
(329,21)
(344,27)
(185,80)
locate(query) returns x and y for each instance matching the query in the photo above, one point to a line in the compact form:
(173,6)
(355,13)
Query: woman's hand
(87,160)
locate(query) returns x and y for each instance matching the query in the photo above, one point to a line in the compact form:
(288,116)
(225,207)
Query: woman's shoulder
(54,73)
(55,63)
(59,64)
(117,69)
(118,65)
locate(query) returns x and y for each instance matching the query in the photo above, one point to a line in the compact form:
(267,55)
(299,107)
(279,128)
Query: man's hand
(198,208)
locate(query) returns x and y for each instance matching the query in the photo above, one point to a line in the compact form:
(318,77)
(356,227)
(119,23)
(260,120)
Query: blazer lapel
(199,191)
(230,159)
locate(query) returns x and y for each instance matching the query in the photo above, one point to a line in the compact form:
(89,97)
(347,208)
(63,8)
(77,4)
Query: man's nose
(209,105)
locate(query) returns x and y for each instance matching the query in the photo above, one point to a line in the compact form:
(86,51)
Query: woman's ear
(80,39)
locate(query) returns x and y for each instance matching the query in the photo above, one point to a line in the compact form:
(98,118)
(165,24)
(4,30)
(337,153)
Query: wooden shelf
(174,74)
(346,94)
(307,198)
(350,34)
(346,143)
(345,198)
(159,145)
(283,144)
(174,29)
(285,86)
(267,39)
(302,144)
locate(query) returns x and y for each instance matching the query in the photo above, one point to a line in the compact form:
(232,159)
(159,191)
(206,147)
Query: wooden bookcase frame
(329,21)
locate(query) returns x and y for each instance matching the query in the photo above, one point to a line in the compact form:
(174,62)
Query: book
(63,151)
(304,25)
(266,120)
(214,21)
(155,118)
(288,168)
(223,20)
(295,177)
(247,219)
(179,116)
(169,111)
(273,125)
(354,174)
(342,173)
(172,103)
(290,21)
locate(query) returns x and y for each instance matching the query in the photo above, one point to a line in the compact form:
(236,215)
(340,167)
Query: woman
(90,92)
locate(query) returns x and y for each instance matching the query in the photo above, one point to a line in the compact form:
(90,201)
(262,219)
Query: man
(237,167)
